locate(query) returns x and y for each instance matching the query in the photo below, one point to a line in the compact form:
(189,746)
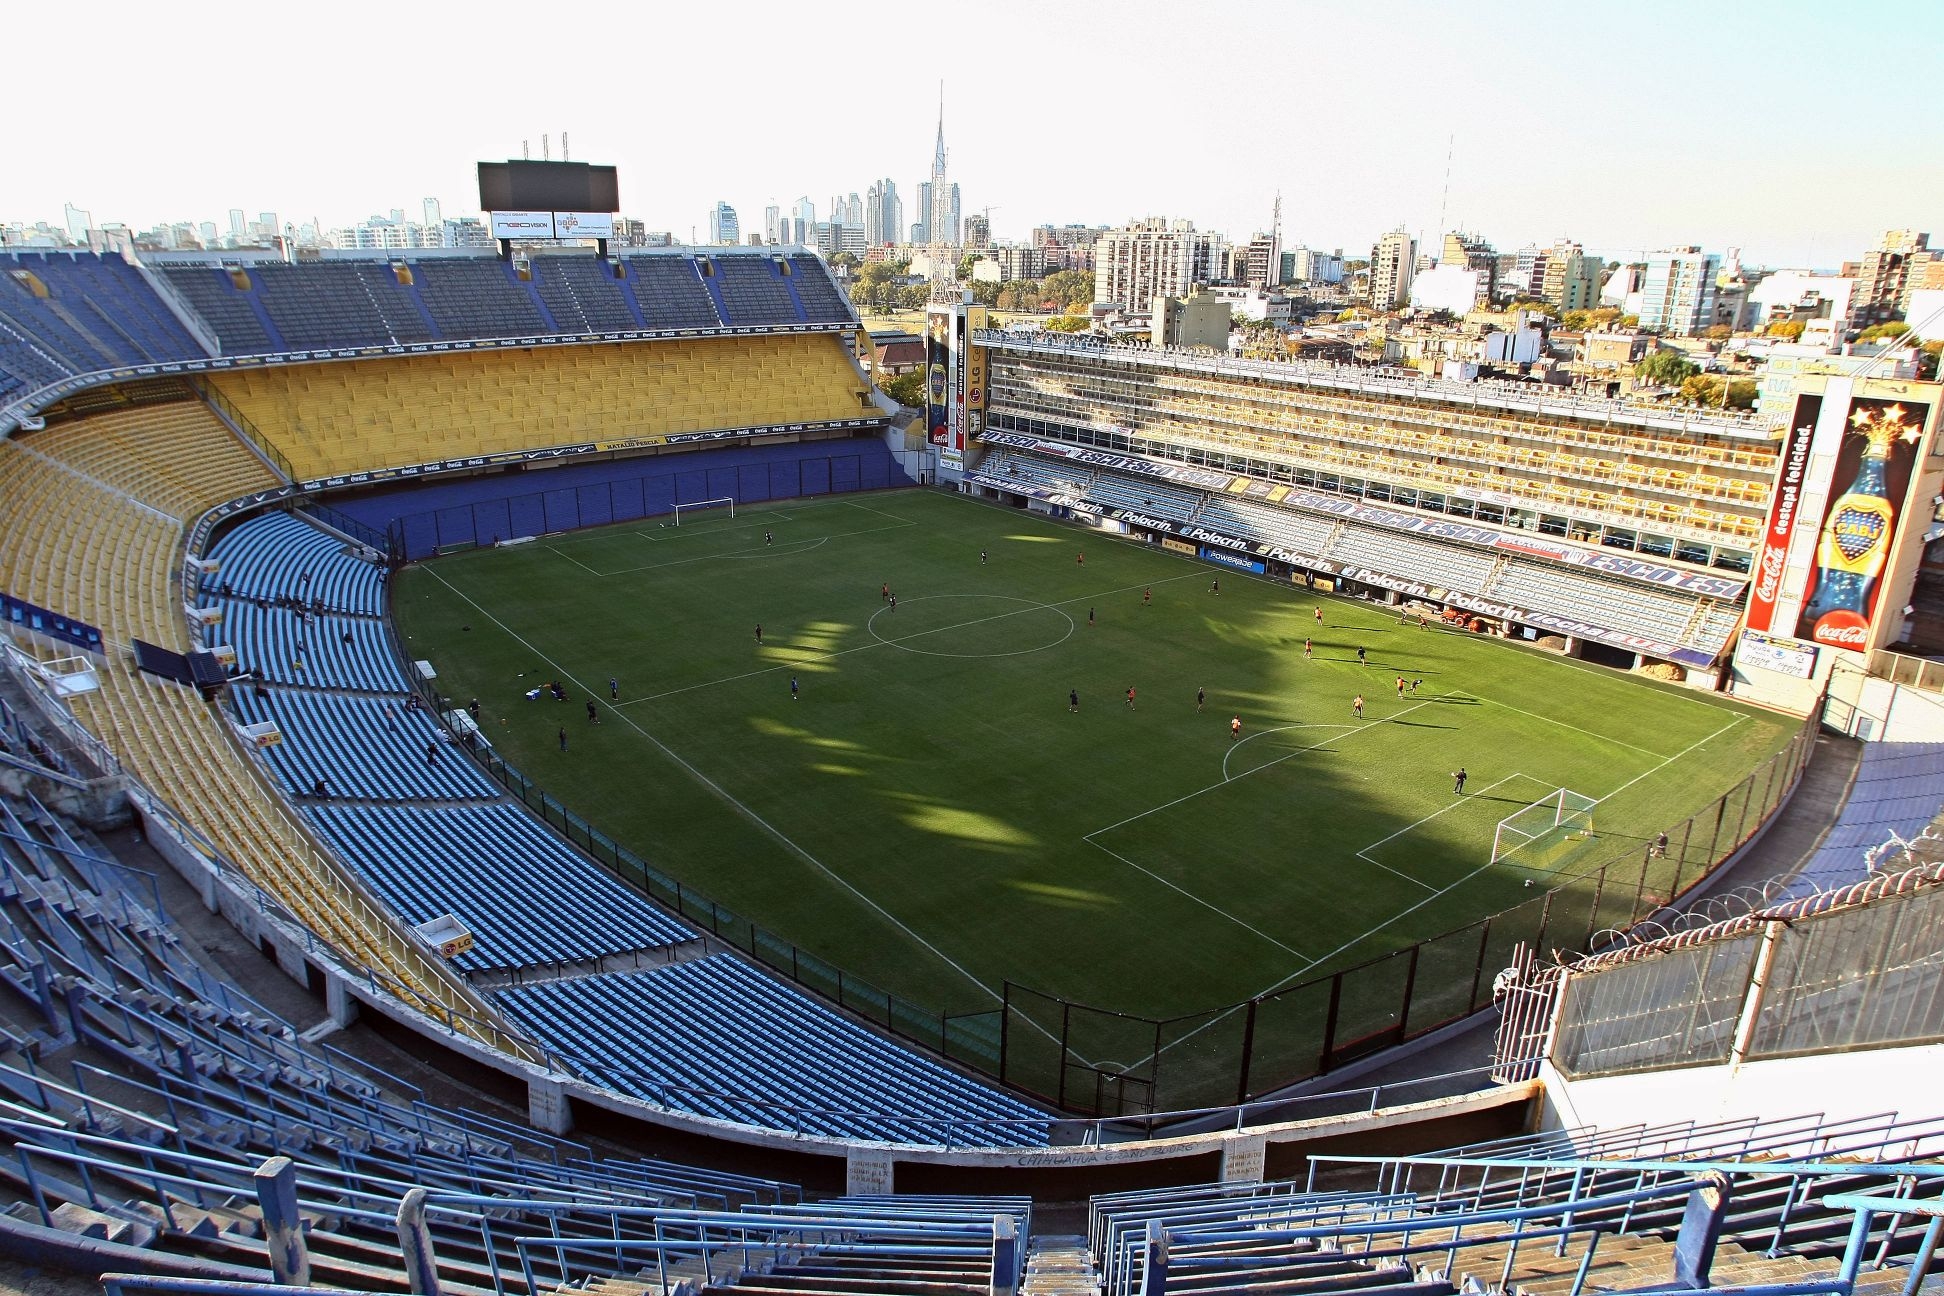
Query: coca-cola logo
(1842,634)
(1773,561)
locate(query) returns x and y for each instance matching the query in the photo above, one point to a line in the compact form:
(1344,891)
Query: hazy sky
(1797,131)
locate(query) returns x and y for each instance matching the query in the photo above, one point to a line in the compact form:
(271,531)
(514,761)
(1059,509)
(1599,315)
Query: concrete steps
(1060,1265)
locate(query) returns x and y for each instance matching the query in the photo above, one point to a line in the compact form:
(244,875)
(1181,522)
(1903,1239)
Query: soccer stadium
(525,773)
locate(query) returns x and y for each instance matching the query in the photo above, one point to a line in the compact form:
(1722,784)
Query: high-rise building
(803,215)
(78,222)
(236,223)
(207,232)
(724,228)
(1471,252)
(1677,293)
(921,228)
(978,231)
(773,224)
(1393,263)
(1153,258)
(1571,278)
(883,214)
(433,213)
(1260,260)
(1883,277)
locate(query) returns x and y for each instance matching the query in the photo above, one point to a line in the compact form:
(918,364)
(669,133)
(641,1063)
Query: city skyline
(1641,155)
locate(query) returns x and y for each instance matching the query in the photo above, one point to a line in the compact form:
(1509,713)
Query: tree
(1708,390)
(1884,332)
(985,292)
(845,261)
(1068,324)
(1787,330)
(965,266)
(907,388)
(1718,332)
(1665,369)
(1068,288)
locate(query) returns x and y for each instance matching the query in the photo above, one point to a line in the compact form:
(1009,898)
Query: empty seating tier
(66,313)
(527,897)
(716,1037)
(754,291)
(365,747)
(278,556)
(368,414)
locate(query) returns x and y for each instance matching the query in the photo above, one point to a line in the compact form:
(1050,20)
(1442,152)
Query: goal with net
(703,506)
(1545,833)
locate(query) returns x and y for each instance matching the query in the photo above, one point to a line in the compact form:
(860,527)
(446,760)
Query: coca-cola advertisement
(1767,584)
(1859,528)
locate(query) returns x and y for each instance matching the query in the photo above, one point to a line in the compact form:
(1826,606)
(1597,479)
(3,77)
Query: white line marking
(724,795)
(554,549)
(1271,989)
(1597,737)
(1364,854)
(1257,769)
(751,551)
(1234,747)
(890,643)
(1198,900)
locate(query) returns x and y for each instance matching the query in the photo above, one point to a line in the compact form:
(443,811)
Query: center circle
(1002,619)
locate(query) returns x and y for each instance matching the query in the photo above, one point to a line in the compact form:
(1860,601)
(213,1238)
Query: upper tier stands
(717,1037)
(109,554)
(367,414)
(66,313)
(270,306)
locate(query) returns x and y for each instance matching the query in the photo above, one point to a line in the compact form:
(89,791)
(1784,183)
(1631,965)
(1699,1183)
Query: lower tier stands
(280,556)
(109,556)
(1669,617)
(365,748)
(290,646)
(716,1037)
(367,414)
(527,898)
(170,457)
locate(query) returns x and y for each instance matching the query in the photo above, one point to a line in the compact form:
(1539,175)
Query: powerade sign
(1227,559)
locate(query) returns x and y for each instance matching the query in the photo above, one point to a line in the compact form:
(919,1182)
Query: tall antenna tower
(526,150)
(563,147)
(1275,219)
(546,148)
(1445,201)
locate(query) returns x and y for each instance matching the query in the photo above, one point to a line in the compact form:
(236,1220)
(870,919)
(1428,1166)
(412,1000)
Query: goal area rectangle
(1543,834)
(693,506)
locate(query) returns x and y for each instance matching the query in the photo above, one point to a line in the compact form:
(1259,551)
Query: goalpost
(1549,826)
(706,504)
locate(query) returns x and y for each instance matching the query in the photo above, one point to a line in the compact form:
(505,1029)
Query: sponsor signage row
(1224,558)
(1523,544)
(1774,559)
(523,224)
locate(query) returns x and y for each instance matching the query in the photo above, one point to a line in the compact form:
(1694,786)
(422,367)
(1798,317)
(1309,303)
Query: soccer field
(928,813)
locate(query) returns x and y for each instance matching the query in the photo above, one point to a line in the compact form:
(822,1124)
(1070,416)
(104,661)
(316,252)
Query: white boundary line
(752,551)
(724,795)
(1597,737)
(889,643)
(1197,899)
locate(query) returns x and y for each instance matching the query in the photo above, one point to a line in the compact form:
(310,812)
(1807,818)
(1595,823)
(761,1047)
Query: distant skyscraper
(236,222)
(921,228)
(723,226)
(940,199)
(773,224)
(978,231)
(433,215)
(208,232)
(1393,263)
(1677,294)
(805,215)
(79,222)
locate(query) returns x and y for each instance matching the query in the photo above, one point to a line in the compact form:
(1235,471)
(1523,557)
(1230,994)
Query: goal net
(697,506)
(1547,832)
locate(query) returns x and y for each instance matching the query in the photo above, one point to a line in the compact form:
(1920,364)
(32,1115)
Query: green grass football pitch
(927,813)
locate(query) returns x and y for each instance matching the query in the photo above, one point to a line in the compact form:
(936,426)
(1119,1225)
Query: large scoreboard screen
(548,187)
